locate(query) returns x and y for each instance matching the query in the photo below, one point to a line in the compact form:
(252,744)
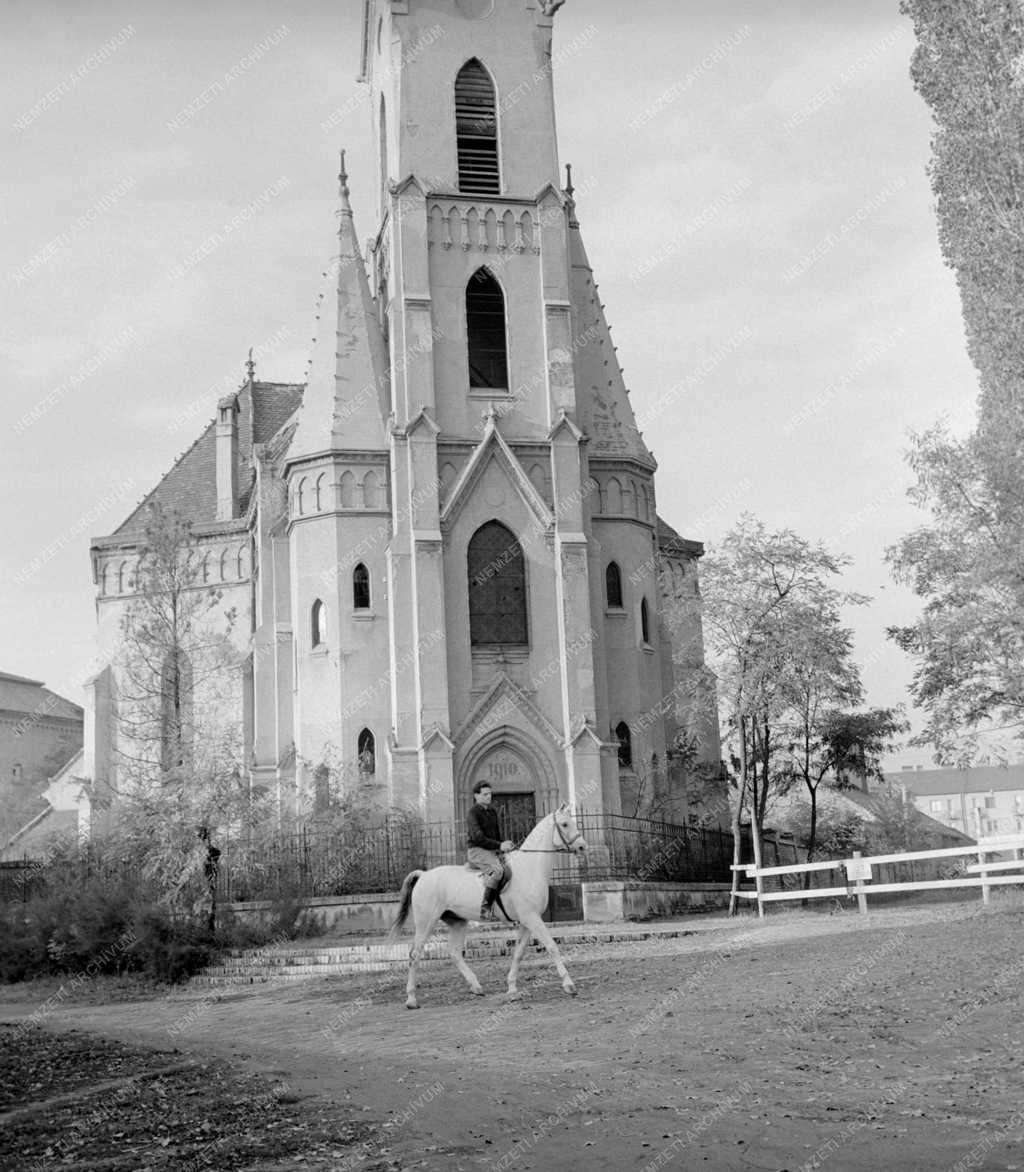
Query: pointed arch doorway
(522,781)
(514,790)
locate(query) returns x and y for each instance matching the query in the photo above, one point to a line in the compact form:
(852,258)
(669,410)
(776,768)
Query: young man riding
(486,845)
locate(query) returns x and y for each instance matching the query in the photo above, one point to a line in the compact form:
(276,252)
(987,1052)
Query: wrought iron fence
(648,851)
(23,879)
(347,861)
(361,859)
(314,862)
(20,879)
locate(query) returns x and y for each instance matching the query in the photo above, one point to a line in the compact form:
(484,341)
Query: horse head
(568,836)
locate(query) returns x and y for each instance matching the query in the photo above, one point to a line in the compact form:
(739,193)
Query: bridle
(567,843)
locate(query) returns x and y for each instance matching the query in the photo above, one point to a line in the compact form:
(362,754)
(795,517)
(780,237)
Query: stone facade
(462,385)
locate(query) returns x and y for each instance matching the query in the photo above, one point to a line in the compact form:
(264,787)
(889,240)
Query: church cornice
(331,456)
(621,463)
(468,197)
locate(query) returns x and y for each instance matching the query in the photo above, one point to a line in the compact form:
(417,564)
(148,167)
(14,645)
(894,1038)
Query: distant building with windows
(958,797)
(444,544)
(40,733)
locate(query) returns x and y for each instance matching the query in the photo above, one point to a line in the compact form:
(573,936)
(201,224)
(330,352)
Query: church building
(444,544)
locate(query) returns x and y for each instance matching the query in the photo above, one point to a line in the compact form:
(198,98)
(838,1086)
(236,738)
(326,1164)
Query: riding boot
(486,912)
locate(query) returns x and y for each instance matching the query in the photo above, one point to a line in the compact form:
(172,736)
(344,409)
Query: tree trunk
(812,833)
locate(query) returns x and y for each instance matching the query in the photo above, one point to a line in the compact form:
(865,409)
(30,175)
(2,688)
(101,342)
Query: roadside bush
(97,916)
(169,950)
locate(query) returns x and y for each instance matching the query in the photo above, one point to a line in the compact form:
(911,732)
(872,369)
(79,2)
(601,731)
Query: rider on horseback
(485,843)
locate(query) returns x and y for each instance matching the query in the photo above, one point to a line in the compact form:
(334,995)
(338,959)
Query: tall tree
(838,750)
(969,67)
(764,596)
(180,773)
(967,564)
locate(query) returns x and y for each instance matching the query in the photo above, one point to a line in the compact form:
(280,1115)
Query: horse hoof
(514,995)
(570,989)
(477,992)
(412,1005)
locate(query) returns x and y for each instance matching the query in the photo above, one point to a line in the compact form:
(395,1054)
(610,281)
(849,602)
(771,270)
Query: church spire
(345,403)
(605,410)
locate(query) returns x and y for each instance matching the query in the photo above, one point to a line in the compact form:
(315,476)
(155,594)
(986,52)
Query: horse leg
(423,931)
(456,945)
(539,929)
(517,956)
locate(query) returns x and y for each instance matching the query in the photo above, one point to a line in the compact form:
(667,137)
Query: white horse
(453,894)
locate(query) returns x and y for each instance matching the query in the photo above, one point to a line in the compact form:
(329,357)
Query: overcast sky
(752,190)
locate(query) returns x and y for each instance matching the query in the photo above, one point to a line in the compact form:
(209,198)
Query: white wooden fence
(858,873)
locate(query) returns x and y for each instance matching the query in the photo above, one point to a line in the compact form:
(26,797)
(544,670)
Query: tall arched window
(318,624)
(645,622)
(175,709)
(366,752)
(476,130)
(625,745)
(497,587)
(613,586)
(485,332)
(361,587)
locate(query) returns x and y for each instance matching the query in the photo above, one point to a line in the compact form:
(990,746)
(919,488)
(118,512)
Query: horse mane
(535,839)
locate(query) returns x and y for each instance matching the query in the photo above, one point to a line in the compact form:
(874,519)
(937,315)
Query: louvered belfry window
(497,587)
(485,332)
(476,130)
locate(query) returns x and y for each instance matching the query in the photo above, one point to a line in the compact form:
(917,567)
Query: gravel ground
(892,1041)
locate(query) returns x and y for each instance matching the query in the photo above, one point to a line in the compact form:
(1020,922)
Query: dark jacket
(482,824)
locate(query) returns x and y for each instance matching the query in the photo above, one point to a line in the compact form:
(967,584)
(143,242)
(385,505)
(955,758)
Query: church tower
(522,568)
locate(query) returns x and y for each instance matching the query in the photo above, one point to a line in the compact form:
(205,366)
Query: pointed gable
(606,414)
(493,447)
(189,487)
(346,400)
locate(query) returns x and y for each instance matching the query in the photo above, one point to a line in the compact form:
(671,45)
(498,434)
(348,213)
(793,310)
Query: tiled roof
(18,694)
(667,537)
(872,803)
(190,487)
(32,839)
(926,783)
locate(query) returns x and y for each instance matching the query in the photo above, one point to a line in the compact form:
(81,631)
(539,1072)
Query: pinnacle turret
(346,400)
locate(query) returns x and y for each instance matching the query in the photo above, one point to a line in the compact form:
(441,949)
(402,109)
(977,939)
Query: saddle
(506,873)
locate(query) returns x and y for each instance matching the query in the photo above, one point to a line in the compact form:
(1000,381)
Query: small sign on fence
(857,870)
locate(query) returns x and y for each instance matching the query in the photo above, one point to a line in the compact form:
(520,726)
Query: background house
(952,796)
(40,733)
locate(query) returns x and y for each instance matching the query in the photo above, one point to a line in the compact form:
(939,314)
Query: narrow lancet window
(625,741)
(361,588)
(485,331)
(613,586)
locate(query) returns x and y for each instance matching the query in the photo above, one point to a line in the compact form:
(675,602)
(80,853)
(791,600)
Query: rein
(552,850)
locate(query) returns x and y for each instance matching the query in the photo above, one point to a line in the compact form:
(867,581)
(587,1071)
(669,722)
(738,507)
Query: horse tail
(405,904)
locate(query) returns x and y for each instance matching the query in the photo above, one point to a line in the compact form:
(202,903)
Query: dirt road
(894,1041)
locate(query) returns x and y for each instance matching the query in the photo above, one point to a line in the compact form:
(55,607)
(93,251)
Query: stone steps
(298,963)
